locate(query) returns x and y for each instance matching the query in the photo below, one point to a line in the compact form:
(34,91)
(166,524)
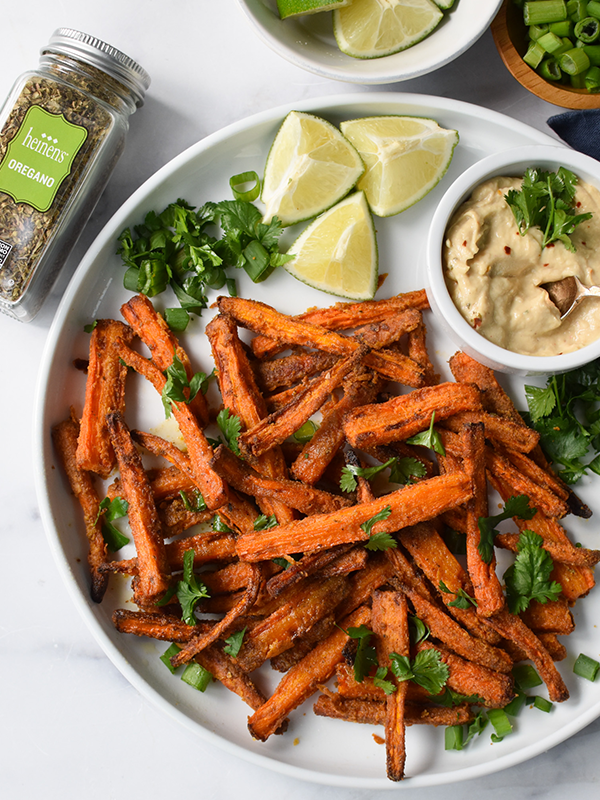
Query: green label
(40,157)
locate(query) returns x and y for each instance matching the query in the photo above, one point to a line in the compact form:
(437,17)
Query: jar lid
(118,65)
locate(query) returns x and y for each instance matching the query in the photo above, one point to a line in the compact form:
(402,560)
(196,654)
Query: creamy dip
(494,274)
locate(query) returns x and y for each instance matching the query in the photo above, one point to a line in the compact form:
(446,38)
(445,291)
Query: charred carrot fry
(292,494)
(559,551)
(176,518)
(285,372)
(417,350)
(495,688)
(305,566)
(242,397)
(409,505)
(309,602)
(303,680)
(514,629)
(157,336)
(528,467)
(384,333)
(199,450)
(152,579)
(65,436)
(498,429)
(373,712)
(343,316)
(165,627)
(389,621)
(409,414)
(487,587)
(275,428)
(104,392)
(551,617)
(225,670)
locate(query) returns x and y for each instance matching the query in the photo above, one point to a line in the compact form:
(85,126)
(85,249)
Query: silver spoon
(567,293)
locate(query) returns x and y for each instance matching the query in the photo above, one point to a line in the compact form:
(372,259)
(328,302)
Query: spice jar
(62,130)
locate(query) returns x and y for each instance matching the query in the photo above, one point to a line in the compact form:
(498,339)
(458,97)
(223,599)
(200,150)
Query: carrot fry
(514,629)
(304,644)
(104,392)
(343,316)
(307,565)
(275,428)
(487,587)
(498,429)
(157,336)
(373,712)
(388,331)
(224,669)
(409,505)
(292,494)
(176,518)
(155,625)
(389,620)
(280,372)
(407,415)
(65,436)
(559,551)
(417,350)
(242,397)
(302,680)
(551,617)
(199,450)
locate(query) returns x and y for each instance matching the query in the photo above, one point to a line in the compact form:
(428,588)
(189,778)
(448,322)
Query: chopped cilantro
(514,507)
(427,669)
(230,426)
(178,389)
(379,679)
(263,523)
(351,472)
(462,599)
(193,503)
(529,577)
(110,510)
(189,590)
(234,643)
(382,540)
(365,658)
(429,438)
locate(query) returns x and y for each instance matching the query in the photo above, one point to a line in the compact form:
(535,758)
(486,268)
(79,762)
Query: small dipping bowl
(509,163)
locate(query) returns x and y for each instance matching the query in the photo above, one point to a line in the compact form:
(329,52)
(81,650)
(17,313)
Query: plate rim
(41,438)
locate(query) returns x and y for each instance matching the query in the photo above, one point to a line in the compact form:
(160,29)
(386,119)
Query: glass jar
(62,130)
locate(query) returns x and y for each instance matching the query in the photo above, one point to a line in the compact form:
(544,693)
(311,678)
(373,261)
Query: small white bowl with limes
(370,41)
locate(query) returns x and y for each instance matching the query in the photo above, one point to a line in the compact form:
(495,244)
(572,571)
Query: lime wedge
(337,253)
(405,158)
(294,8)
(375,28)
(310,167)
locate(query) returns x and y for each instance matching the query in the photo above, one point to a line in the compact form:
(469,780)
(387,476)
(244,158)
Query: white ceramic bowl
(308,42)
(512,162)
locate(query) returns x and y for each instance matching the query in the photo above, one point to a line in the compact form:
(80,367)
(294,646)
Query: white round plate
(308,42)
(328,751)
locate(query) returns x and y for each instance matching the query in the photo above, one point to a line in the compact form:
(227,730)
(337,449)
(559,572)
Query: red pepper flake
(465,243)
(584,244)
(507,250)
(477,322)
(578,204)
(545,265)
(550,245)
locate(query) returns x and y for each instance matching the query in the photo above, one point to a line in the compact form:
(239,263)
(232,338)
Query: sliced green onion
(453,737)
(177,318)
(586,667)
(535,31)
(130,279)
(525,677)
(195,675)
(542,704)
(542,11)
(516,705)
(592,79)
(305,432)
(553,44)
(588,29)
(592,51)
(534,55)
(257,263)
(562,28)
(574,61)
(577,9)
(239,180)
(577,81)
(166,657)
(593,8)
(231,287)
(500,721)
(549,69)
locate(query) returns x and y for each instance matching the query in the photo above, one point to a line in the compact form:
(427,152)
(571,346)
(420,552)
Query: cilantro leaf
(529,577)
(429,438)
(514,507)
(545,201)
(418,630)
(382,540)
(110,510)
(263,523)
(189,590)
(351,471)
(379,679)
(194,504)
(234,643)
(366,657)
(230,426)
(406,470)
(462,599)
(177,388)
(219,525)
(427,669)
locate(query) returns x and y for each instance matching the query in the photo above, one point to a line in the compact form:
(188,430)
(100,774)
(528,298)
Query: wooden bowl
(510,36)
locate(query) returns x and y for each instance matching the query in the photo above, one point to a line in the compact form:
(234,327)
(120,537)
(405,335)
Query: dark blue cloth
(580,129)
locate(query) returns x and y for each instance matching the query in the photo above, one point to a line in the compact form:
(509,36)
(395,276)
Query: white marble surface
(71,725)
